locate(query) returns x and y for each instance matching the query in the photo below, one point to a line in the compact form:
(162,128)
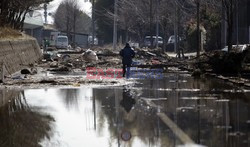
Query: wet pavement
(174,111)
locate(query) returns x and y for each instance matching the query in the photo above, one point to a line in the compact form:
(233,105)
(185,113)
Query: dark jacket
(127,54)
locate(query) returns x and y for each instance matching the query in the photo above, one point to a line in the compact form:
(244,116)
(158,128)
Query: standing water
(177,110)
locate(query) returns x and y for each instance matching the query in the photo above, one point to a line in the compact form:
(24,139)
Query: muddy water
(208,111)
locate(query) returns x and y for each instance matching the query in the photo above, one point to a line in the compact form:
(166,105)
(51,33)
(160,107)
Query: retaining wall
(16,54)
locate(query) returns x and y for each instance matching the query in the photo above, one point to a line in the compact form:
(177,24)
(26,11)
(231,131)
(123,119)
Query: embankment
(16,54)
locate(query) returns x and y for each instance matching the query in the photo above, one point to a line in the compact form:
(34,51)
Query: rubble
(54,64)
(75,62)
(90,56)
(221,62)
(65,63)
(25,71)
(30,71)
(61,69)
(47,57)
(45,81)
(65,57)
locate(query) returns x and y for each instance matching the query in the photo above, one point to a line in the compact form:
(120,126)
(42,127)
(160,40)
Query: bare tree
(70,18)
(133,17)
(193,10)
(197,2)
(174,15)
(13,12)
(194,5)
(138,17)
(229,7)
(167,19)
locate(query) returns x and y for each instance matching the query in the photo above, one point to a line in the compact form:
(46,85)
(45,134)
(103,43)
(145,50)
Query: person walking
(127,54)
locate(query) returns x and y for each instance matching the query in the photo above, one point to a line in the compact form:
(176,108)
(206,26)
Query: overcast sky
(85,6)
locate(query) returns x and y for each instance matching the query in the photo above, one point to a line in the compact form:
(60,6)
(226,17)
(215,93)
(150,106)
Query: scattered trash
(47,57)
(68,65)
(33,71)
(65,57)
(17,78)
(62,69)
(152,54)
(155,61)
(76,84)
(54,64)
(78,49)
(90,55)
(25,71)
(69,47)
(184,108)
(47,81)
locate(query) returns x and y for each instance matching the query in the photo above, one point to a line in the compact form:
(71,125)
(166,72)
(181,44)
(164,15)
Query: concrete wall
(16,53)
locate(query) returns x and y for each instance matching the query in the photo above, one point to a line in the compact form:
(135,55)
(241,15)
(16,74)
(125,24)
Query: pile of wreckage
(101,58)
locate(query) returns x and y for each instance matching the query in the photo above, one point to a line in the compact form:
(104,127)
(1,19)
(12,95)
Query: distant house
(47,29)
(79,39)
(33,25)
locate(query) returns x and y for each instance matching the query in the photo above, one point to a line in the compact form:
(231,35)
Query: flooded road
(173,111)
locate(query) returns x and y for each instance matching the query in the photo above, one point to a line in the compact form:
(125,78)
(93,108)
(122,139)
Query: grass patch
(10,34)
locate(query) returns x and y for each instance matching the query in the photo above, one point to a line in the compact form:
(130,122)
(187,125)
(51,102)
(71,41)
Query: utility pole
(74,26)
(237,23)
(175,30)
(249,35)
(67,19)
(45,13)
(157,23)
(115,26)
(150,23)
(223,26)
(93,22)
(198,28)
(178,32)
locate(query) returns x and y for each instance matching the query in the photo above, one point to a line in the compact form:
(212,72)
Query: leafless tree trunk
(93,22)
(150,23)
(67,19)
(198,28)
(74,26)
(230,8)
(177,39)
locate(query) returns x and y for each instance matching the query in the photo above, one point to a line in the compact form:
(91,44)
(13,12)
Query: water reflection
(70,97)
(127,101)
(140,122)
(214,114)
(202,108)
(20,123)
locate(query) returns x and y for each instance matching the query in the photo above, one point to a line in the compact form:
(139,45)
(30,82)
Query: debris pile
(221,62)
(89,56)
(68,63)
(151,57)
